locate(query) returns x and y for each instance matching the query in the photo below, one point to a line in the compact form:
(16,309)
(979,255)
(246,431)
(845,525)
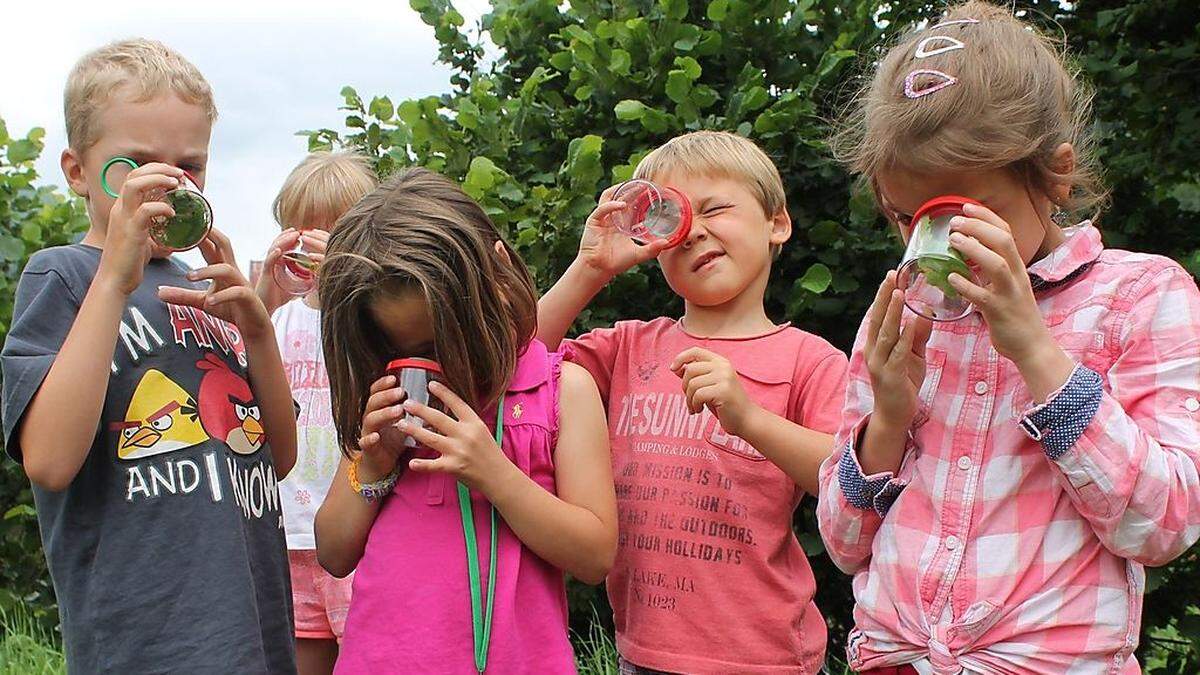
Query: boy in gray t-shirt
(147,402)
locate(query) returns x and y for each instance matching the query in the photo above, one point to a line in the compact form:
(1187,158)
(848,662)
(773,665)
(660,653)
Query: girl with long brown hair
(418,272)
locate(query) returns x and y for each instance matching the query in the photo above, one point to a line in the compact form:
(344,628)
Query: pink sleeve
(1134,473)
(596,351)
(818,401)
(847,528)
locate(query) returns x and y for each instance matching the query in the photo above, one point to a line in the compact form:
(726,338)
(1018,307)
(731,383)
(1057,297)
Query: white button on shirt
(981,388)
(1192,405)
(964,462)
(951,543)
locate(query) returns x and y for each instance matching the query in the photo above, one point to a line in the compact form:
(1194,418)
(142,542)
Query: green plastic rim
(104,173)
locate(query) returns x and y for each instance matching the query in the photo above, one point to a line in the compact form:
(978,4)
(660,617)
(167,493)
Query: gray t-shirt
(167,550)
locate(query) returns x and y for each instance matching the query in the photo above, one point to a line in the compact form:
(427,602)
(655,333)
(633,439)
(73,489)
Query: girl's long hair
(418,231)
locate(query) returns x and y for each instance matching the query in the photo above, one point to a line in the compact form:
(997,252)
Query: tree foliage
(32,217)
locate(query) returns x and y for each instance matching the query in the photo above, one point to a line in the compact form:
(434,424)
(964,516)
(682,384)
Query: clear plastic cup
(193,217)
(296,272)
(652,213)
(929,260)
(413,375)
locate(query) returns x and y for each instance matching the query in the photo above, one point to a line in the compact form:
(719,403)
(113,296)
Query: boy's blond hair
(719,153)
(147,66)
(323,187)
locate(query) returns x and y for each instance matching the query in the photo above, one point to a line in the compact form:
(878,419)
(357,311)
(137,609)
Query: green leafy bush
(32,217)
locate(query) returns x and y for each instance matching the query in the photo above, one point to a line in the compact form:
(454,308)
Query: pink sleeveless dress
(411,605)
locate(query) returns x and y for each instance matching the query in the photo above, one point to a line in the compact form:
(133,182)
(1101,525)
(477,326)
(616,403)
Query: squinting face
(1026,211)
(728,251)
(163,129)
(406,322)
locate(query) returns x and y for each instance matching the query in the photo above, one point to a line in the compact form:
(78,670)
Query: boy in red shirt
(719,422)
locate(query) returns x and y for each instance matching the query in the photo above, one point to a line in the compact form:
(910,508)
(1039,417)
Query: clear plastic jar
(652,213)
(929,260)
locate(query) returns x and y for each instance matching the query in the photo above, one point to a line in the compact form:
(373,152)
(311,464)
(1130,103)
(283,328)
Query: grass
(26,648)
(596,654)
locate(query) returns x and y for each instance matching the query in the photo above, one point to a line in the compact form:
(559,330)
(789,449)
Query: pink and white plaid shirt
(985,555)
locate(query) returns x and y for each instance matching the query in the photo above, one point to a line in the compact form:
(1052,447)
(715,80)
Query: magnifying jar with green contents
(193,214)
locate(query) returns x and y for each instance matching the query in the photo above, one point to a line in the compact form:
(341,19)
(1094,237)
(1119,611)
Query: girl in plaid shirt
(1000,482)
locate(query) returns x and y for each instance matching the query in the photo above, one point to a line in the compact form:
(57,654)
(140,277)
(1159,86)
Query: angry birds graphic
(228,410)
(161,418)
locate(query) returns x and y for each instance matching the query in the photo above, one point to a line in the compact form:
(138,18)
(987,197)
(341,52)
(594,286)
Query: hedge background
(571,97)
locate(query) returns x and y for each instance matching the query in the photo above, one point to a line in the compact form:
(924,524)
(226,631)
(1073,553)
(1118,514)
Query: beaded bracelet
(376,490)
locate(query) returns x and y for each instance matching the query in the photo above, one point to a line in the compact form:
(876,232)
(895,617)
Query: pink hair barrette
(910,82)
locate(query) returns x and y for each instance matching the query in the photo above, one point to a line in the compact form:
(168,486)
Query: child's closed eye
(715,209)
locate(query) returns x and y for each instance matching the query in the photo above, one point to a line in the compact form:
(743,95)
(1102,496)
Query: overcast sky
(275,68)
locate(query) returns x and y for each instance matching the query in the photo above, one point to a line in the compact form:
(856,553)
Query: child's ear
(1062,163)
(502,251)
(781,227)
(72,168)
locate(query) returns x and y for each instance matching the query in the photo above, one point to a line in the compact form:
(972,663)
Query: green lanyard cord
(481,626)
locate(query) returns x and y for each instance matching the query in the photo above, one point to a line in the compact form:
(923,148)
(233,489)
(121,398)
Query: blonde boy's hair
(148,67)
(723,154)
(323,187)
(719,153)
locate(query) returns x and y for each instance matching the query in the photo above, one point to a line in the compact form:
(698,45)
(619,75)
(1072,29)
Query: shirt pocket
(935,366)
(767,387)
(1086,346)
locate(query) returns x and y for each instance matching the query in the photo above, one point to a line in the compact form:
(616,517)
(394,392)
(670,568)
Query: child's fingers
(385,396)
(382,417)
(286,240)
(136,188)
(312,243)
(457,407)
(878,309)
(369,441)
(422,465)
(423,436)
(190,297)
(977,295)
(706,396)
(994,267)
(229,295)
(601,214)
(218,249)
(385,382)
(996,238)
(691,371)
(922,328)
(904,345)
(432,416)
(689,355)
(650,251)
(149,211)
(695,385)
(609,192)
(889,329)
(221,271)
(987,215)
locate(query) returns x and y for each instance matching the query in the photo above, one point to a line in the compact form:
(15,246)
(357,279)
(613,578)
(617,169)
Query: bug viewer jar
(652,213)
(193,214)
(929,260)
